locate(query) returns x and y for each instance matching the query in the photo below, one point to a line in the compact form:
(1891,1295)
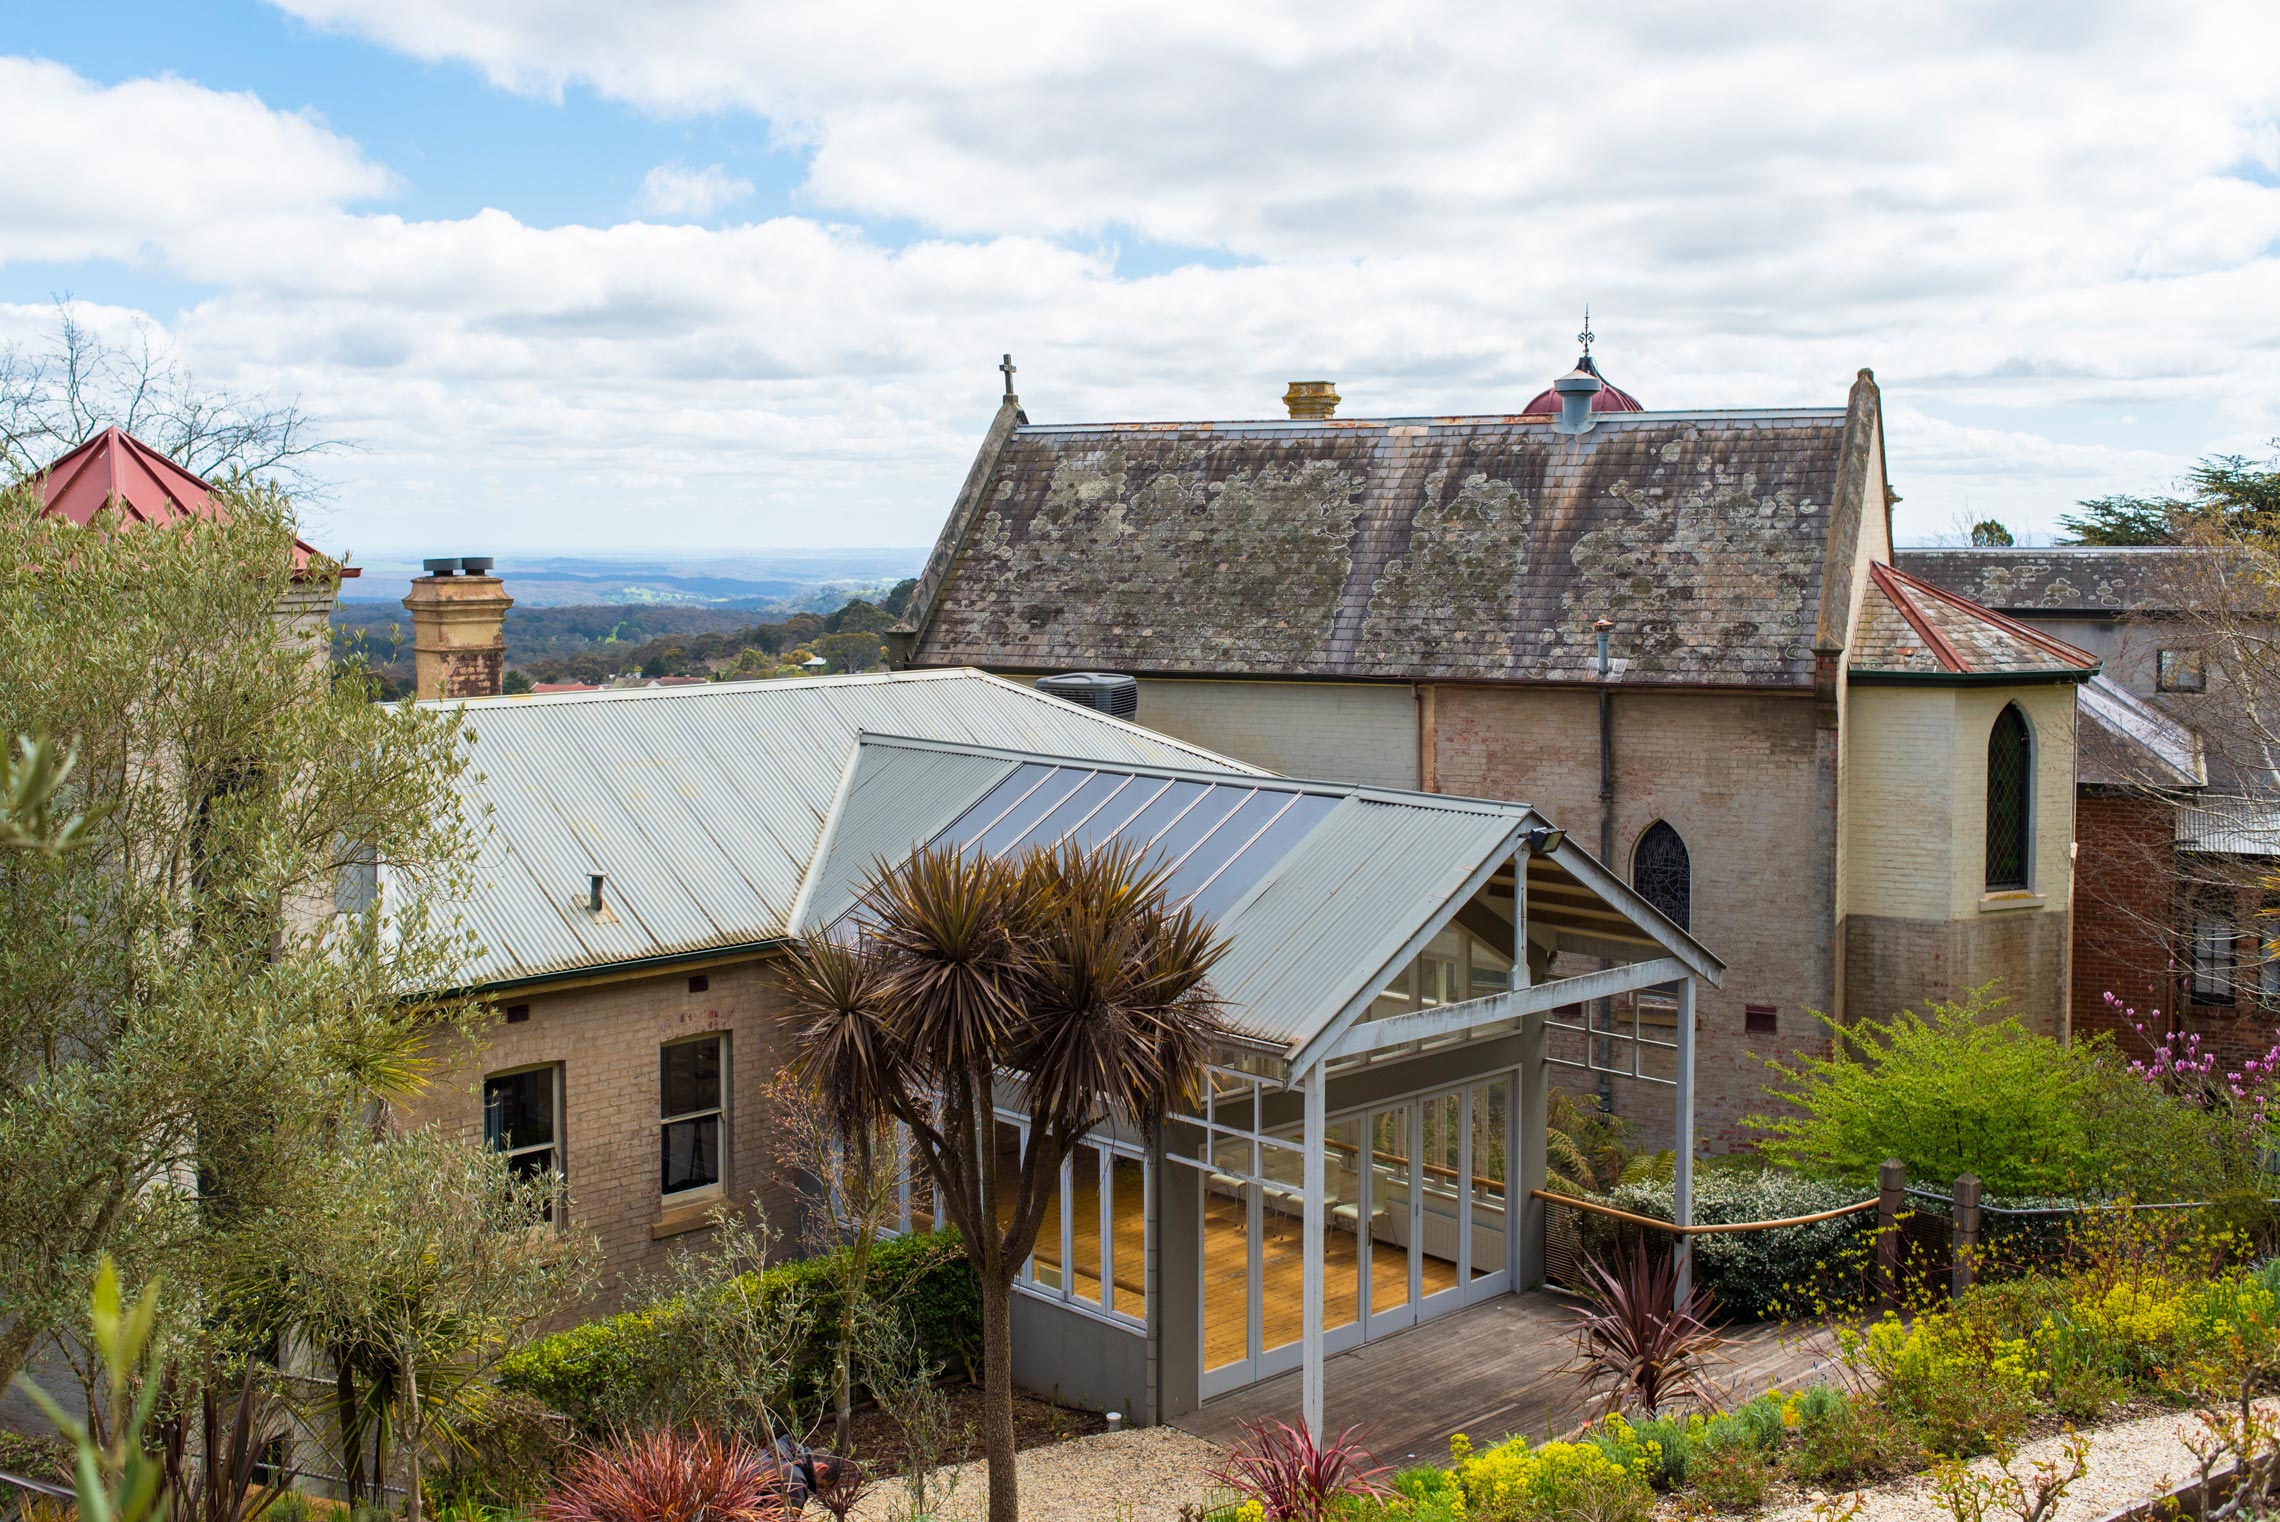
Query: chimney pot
(459,628)
(1311,401)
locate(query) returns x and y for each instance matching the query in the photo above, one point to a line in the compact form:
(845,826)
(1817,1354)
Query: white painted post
(1527,1216)
(1315,1216)
(1682,1141)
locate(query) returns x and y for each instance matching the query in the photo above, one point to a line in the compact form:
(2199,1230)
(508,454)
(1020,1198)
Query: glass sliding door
(1490,1262)
(1441,1202)
(1392,1202)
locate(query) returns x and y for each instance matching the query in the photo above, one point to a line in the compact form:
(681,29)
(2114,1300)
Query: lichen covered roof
(2054,578)
(1911,628)
(1454,548)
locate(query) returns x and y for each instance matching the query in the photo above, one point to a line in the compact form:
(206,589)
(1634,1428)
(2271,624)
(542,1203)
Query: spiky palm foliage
(1636,1345)
(1064,972)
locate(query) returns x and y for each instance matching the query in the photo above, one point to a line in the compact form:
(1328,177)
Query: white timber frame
(1532,1004)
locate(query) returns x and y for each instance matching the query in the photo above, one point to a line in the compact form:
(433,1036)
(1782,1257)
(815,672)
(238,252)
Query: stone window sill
(683,1215)
(1996,903)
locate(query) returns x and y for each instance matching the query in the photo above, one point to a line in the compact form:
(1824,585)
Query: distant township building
(1679,633)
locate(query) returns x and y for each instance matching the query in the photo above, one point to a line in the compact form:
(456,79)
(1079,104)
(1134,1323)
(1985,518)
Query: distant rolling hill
(758,581)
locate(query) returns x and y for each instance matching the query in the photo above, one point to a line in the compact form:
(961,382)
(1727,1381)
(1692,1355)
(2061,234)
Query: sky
(578,275)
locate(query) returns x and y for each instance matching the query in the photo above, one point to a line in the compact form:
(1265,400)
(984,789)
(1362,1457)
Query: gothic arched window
(2010,786)
(1663,874)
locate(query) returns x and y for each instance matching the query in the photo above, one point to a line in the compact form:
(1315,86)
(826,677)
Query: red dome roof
(1606,399)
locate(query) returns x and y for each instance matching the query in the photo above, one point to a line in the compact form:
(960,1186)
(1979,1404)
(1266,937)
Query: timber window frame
(2180,671)
(692,1110)
(2213,936)
(513,1099)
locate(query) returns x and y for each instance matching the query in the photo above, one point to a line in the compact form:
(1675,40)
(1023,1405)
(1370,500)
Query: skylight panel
(1254,860)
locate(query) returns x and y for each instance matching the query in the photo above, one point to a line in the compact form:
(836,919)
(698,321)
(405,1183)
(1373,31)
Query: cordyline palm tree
(1062,972)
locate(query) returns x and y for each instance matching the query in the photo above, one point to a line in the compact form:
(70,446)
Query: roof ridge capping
(1439,419)
(1885,575)
(1363,791)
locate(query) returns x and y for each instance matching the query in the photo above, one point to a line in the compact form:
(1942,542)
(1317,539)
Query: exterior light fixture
(1544,840)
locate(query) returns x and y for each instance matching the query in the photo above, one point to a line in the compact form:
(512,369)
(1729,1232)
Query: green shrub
(1763,1421)
(602,1369)
(1754,1275)
(1734,1477)
(1569,1482)
(1843,1442)
(504,1455)
(1960,1089)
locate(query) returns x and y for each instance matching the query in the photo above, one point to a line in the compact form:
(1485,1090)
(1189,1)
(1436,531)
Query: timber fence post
(1891,1198)
(1966,1235)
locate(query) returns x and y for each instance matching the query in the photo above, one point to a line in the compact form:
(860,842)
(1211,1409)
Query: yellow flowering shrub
(1514,1479)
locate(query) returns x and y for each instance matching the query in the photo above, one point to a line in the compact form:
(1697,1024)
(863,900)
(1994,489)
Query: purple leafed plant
(669,1476)
(1295,1479)
(1635,1345)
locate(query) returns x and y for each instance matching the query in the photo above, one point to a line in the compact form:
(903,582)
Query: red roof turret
(1606,399)
(115,467)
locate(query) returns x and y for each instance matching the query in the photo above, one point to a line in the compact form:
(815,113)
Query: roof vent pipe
(1576,389)
(594,881)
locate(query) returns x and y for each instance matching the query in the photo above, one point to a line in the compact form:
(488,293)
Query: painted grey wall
(1179,1291)
(1079,1360)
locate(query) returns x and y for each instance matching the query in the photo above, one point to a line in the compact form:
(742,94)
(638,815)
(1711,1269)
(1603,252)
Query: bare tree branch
(56,394)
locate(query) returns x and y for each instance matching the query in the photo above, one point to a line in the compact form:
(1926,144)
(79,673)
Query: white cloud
(676,190)
(1417,202)
(120,172)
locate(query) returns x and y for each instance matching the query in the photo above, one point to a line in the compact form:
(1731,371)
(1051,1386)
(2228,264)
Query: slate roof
(2083,579)
(116,469)
(1911,629)
(2124,741)
(1457,548)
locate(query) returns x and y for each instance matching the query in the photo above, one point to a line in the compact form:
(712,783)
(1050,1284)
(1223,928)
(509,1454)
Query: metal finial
(1007,366)
(1584,337)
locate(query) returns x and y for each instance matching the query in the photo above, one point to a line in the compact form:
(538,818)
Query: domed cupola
(1606,398)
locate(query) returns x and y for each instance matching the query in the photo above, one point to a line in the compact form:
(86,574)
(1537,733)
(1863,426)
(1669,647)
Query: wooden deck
(1487,1371)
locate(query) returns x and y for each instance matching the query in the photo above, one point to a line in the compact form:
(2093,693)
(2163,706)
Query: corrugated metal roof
(1323,907)
(703,805)
(896,800)
(2230,826)
(2128,742)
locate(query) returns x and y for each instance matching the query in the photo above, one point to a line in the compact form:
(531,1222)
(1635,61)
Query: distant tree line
(2224,496)
(594,642)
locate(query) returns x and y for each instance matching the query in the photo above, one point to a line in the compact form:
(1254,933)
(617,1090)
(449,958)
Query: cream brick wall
(606,1038)
(1917,797)
(1922,925)
(1340,731)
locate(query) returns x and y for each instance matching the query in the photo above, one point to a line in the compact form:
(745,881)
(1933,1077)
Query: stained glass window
(1664,874)
(2010,779)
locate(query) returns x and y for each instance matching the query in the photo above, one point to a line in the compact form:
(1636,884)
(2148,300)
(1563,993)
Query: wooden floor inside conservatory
(1487,1371)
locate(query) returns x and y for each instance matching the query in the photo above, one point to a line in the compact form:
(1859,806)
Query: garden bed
(878,1444)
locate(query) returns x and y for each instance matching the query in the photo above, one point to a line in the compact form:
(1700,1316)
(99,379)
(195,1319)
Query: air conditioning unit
(1105,691)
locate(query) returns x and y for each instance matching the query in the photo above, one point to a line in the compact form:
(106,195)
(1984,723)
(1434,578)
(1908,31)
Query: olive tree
(192,1016)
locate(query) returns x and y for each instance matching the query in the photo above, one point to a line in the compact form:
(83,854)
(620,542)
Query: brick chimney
(459,628)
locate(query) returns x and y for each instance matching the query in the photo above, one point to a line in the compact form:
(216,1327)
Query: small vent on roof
(1108,692)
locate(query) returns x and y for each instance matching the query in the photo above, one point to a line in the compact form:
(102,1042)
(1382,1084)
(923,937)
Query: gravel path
(1141,1476)
(2130,1462)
